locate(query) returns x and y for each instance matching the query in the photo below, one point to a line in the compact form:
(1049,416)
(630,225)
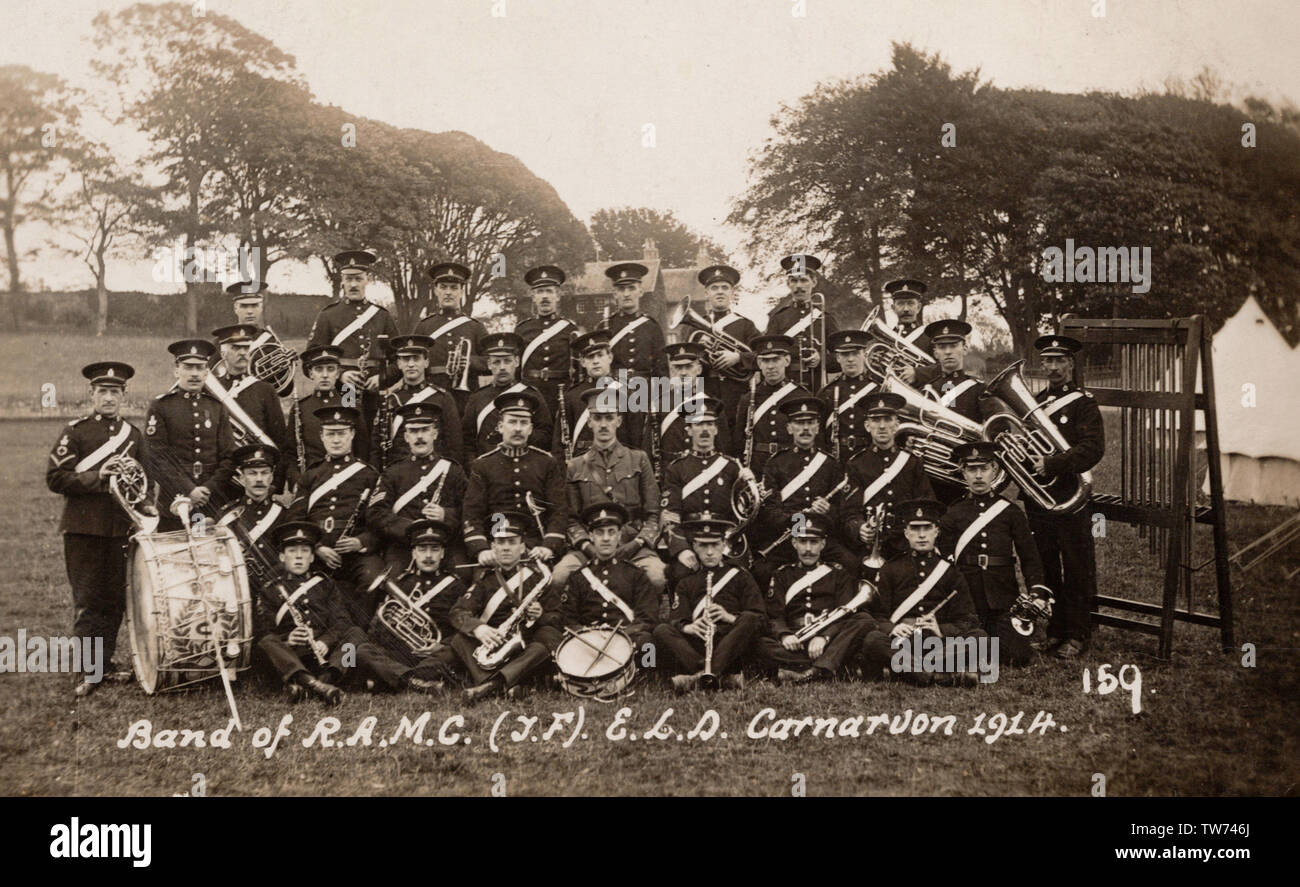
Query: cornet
(889,352)
(458,364)
(876,517)
(716,342)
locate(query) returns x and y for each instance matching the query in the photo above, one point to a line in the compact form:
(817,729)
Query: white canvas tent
(1257,395)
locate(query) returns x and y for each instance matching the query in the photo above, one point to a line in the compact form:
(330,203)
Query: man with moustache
(256,398)
(547,361)
(795,317)
(766,430)
(448,326)
(412,356)
(481,420)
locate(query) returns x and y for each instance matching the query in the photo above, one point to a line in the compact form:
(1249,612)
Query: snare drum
(596,663)
(187,598)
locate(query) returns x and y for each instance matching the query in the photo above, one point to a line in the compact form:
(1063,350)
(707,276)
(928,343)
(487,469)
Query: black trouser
(842,649)
(289,660)
(97,573)
(878,653)
(390,662)
(731,644)
(1013,647)
(534,657)
(1069,568)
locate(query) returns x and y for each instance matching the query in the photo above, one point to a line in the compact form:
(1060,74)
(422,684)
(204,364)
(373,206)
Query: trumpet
(458,364)
(399,615)
(491,656)
(130,489)
(889,353)
(876,517)
(715,341)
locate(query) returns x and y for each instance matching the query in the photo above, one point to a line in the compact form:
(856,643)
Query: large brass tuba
(399,615)
(1027,431)
(931,431)
(704,332)
(889,352)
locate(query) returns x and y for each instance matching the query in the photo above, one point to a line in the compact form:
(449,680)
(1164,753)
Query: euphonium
(458,365)
(1026,431)
(405,621)
(492,656)
(712,339)
(933,431)
(890,352)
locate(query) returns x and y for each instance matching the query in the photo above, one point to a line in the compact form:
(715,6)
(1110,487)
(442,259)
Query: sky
(569,86)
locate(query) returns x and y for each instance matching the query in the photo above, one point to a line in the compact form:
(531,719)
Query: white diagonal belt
(1061,402)
(438,470)
(434,592)
(950,396)
(358,322)
(293,598)
(499,596)
(262,338)
(256,530)
(886,477)
(448,326)
(815,463)
(487,407)
(550,332)
(244,381)
(604,591)
(804,322)
(726,320)
(848,402)
(333,483)
(978,524)
(921,590)
(772,400)
(717,587)
(627,328)
(708,474)
(806,581)
(105,449)
(676,412)
(581,423)
(418,397)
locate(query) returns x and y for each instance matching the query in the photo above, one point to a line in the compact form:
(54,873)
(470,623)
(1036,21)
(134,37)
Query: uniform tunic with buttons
(259,400)
(674,442)
(903,575)
(788,314)
(338,315)
(713,496)
(733,642)
(994,586)
(742,328)
(549,364)
(390,659)
(449,443)
(864,468)
(540,639)
(620,475)
(500,481)
(922,341)
(253,524)
(311,427)
(187,443)
(581,605)
(775,516)
(479,433)
(322,608)
(787,613)
(849,422)
(398,479)
(769,433)
(642,349)
(471,330)
(331,511)
(968,402)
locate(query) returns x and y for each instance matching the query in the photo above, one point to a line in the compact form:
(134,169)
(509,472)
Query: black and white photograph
(763,398)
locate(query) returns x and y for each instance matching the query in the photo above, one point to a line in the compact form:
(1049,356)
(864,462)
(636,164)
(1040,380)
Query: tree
(621,233)
(37,120)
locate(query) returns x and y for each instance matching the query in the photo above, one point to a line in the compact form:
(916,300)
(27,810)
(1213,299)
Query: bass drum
(596,663)
(188,608)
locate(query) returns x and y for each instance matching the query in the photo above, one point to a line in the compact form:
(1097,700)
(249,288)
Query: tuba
(130,489)
(458,364)
(275,365)
(399,615)
(931,431)
(1026,431)
(703,331)
(889,352)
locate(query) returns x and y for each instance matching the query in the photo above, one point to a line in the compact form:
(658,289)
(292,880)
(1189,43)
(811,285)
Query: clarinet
(835,425)
(297,436)
(712,629)
(383,424)
(566,437)
(352,518)
(317,647)
(749,421)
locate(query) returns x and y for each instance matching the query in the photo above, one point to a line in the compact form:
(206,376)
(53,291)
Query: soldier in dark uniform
(731,365)
(688,387)
(699,482)
(953,387)
(908,297)
(912,588)
(797,596)
(795,318)
(187,436)
(480,419)
(770,388)
(312,629)
(95,529)
(846,422)
(491,600)
(880,477)
(1065,540)
(253,518)
(636,339)
(596,361)
(547,361)
(352,324)
(429,588)
(449,326)
(610,589)
(737,614)
(322,368)
(501,480)
(985,534)
(334,494)
(612,472)
(412,355)
(421,486)
(802,479)
(247,300)
(256,398)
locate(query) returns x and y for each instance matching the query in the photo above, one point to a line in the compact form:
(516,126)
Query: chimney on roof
(650,252)
(702,257)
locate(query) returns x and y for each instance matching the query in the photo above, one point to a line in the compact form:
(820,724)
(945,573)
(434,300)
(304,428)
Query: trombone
(815,343)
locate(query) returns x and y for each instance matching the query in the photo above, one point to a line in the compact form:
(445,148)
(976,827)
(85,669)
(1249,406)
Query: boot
(490,687)
(330,693)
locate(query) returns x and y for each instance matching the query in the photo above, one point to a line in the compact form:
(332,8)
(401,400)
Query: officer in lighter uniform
(547,362)
(95,529)
(636,339)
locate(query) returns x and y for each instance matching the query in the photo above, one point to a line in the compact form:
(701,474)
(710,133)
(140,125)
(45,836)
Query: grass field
(1209,726)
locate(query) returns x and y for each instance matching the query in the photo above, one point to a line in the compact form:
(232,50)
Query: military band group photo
(452,510)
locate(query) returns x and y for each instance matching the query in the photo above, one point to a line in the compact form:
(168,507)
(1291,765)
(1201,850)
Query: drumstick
(600,653)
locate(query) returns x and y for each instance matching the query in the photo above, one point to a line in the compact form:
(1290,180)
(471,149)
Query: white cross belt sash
(437,471)
(675,413)
(548,333)
(949,397)
(726,320)
(979,524)
(916,333)
(333,483)
(627,328)
(604,591)
(361,320)
(448,326)
(717,587)
(499,596)
(244,382)
(487,407)
(804,322)
(708,474)
(921,591)
(772,400)
(806,581)
(434,592)
(886,477)
(255,532)
(293,598)
(813,466)
(418,397)
(105,449)
(1061,402)
(848,402)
